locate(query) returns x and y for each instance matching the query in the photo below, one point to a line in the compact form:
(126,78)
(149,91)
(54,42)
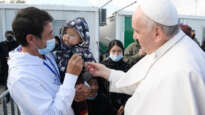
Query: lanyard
(55,71)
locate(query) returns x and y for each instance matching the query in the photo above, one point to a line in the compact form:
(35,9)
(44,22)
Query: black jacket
(118,99)
(101,105)
(5,48)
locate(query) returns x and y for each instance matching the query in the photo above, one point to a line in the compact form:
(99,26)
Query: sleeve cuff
(114,75)
(70,79)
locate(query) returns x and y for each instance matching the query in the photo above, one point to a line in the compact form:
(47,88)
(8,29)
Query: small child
(74,38)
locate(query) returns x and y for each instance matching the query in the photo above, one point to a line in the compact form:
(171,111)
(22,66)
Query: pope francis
(170,79)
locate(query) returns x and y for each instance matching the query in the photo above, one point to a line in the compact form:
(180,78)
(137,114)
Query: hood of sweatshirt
(81,26)
(19,58)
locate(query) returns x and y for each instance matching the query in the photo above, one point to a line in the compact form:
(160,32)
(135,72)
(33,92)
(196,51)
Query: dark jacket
(117,98)
(5,48)
(101,105)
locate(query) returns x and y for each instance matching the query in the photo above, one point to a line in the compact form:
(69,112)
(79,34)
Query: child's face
(71,37)
(93,87)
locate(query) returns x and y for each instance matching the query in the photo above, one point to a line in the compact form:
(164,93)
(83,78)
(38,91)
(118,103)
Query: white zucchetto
(160,11)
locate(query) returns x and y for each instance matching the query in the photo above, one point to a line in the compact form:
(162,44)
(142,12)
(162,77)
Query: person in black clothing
(114,61)
(98,103)
(10,40)
(5,47)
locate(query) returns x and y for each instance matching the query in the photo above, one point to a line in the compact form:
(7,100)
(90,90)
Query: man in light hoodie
(34,80)
(170,79)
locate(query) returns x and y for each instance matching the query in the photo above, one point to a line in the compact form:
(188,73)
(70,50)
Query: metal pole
(5,106)
(4,94)
(18,110)
(12,106)
(125,7)
(106,3)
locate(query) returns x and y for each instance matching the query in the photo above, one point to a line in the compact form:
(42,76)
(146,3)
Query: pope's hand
(75,65)
(97,69)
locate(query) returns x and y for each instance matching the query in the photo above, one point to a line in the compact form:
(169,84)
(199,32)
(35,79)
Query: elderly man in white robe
(169,80)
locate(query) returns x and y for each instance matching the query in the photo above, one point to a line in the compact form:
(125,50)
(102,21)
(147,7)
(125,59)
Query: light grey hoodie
(35,88)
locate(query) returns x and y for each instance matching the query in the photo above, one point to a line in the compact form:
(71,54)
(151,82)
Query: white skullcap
(160,11)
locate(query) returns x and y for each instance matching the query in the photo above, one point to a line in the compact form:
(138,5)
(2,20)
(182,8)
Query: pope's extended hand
(97,69)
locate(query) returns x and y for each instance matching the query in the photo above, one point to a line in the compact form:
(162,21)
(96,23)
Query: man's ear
(157,33)
(29,38)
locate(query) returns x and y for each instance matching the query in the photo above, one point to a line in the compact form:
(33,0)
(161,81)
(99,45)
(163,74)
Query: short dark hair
(29,20)
(113,43)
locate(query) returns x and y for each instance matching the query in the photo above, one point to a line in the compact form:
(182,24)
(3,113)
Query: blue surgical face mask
(50,45)
(116,58)
(92,98)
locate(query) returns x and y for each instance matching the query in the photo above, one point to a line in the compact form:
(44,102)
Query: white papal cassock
(170,81)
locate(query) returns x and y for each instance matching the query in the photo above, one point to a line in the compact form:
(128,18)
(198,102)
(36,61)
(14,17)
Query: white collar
(147,62)
(167,45)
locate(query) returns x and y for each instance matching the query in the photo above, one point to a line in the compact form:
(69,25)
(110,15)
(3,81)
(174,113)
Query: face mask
(116,58)
(92,98)
(50,45)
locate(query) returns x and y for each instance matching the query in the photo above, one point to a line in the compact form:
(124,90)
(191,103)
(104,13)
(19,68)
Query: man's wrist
(70,74)
(70,80)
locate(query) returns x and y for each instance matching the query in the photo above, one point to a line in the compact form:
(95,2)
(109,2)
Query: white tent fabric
(85,3)
(184,7)
(190,7)
(187,7)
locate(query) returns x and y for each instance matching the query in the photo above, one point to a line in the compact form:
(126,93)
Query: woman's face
(115,50)
(71,37)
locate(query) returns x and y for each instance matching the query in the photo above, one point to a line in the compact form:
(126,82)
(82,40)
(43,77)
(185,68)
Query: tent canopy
(184,7)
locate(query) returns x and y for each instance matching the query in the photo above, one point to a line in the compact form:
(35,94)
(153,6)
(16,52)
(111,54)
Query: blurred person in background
(189,32)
